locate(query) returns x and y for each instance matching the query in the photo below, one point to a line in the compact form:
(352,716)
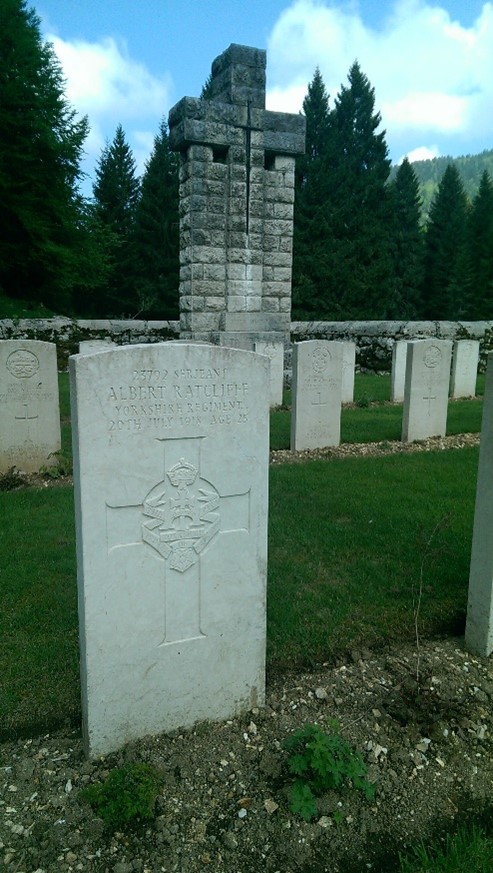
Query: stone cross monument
(236,206)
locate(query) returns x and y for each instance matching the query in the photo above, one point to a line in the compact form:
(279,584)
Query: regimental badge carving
(320,359)
(22,364)
(270,350)
(432,357)
(182,516)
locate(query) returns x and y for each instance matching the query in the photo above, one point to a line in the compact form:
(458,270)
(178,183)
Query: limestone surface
(170,472)
(29,405)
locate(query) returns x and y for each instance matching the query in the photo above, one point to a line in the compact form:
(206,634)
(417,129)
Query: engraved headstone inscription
(170,472)
(316,393)
(465,360)
(29,406)
(275,353)
(426,389)
(479,623)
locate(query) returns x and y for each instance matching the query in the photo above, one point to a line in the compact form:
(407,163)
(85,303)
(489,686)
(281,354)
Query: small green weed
(10,480)
(469,849)
(364,400)
(127,797)
(322,761)
(62,467)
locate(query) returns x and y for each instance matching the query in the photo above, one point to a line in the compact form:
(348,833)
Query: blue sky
(430,63)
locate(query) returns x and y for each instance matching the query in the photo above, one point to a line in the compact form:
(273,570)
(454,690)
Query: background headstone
(275,353)
(426,389)
(348,371)
(465,360)
(316,392)
(88,346)
(171,448)
(29,405)
(398,371)
(479,624)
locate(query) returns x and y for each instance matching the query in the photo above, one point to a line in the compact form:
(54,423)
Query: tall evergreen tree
(310,231)
(445,270)
(360,217)
(343,263)
(116,194)
(480,252)
(408,247)
(206,93)
(156,250)
(41,144)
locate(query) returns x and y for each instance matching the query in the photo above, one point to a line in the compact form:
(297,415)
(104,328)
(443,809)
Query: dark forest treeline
(361,247)
(429,174)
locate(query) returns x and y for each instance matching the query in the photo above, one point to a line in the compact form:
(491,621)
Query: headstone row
(465,360)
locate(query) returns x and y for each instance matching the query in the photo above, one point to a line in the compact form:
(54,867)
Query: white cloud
(422,153)
(426,111)
(431,75)
(106,84)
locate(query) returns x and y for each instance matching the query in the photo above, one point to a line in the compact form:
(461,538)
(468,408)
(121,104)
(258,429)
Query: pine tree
(41,144)
(408,247)
(206,93)
(445,271)
(310,231)
(116,194)
(156,253)
(480,252)
(360,218)
(343,260)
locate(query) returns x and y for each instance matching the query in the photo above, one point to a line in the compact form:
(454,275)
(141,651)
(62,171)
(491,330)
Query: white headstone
(348,371)
(171,448)
(86,347)
(316,393)
(465,361)
(426,389)
(275,352)
(398,372)
(479,624)
(29,406)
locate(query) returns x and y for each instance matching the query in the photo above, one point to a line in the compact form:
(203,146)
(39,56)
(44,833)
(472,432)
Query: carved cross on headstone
(26,417)
(178,519)
(430,399)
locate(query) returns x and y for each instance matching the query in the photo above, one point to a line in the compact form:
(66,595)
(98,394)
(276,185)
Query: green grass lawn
(345,547)
(344,554)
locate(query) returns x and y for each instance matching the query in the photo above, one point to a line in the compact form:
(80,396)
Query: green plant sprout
(62,467)
(321,761)
(128,795)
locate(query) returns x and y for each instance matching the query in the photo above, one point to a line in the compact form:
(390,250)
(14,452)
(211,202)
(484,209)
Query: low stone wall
(374,339)
(68,333)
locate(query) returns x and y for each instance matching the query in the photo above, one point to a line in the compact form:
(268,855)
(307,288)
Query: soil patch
(224,803)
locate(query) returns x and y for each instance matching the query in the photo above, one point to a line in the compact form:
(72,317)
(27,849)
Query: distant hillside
(429,174)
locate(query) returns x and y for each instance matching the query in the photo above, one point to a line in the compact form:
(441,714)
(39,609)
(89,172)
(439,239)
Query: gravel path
(223,805)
